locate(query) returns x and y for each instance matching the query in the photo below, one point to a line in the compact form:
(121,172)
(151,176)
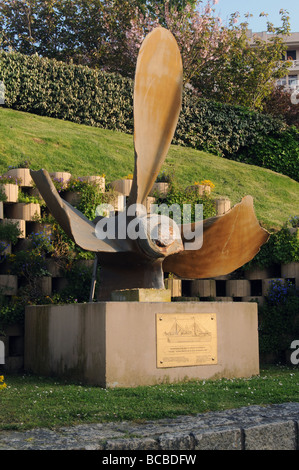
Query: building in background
(291,81)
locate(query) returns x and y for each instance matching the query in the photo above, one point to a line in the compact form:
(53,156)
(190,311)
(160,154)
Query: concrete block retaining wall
(226,288)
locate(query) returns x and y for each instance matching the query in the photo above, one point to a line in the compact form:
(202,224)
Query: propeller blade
(229,241)
(157,105)
(73,222)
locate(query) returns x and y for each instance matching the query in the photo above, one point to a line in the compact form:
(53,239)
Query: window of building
(282,81)
(293,80)
(291,55)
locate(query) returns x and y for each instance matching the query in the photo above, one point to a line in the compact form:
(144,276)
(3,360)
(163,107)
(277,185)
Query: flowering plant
(76,184)
(22,164)
(41,243)
(58,183)
(164,177)
(205,183)
(208,183)
(3,247)
(2,383)
(10,180)
(279,291)
(294,221)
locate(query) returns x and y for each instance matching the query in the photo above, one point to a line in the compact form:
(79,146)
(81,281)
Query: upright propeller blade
(157,105)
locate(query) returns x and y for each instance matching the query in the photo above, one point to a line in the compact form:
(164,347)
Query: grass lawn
(30,401)
(64,146)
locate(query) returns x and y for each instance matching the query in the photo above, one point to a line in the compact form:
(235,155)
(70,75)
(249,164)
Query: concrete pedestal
(114,344)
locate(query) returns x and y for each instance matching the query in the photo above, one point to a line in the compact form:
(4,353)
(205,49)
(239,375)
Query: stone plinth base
(141,295)
(115,344)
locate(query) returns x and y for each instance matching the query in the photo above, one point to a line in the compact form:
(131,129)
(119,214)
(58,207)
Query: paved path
(252,428)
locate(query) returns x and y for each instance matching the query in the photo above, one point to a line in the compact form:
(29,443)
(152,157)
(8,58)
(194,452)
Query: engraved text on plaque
(186,339)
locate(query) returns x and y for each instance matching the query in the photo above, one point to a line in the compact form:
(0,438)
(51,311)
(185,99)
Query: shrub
(11,313)
(9,232)
(29,199)
(219,128)
(95,98)
(78,288)
(279,104)
(180,197)
(76,93)
(285,247)
(90,196)
(28,265)
(294,221)
(281,248)
(278,319)
(3,196)
(277,151)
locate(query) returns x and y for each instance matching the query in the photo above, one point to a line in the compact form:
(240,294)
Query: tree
(220,62)
(48,30)
(17,24)
(83,32)
(198,33)
(247,72)
(279,104)
(61,29)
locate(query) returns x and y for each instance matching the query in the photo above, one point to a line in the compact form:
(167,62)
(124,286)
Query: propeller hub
(165,235)
(161,236)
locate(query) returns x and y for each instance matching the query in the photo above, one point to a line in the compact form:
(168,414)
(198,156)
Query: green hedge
(239,134)
(277,151)
(50,88)
(281,248)
(219,128)
(70,92)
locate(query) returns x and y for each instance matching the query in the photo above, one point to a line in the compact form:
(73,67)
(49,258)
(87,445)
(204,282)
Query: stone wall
(272,427)
(253,287)
(25,215)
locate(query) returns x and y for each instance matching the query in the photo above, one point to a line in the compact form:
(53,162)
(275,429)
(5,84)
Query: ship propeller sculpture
(229,241)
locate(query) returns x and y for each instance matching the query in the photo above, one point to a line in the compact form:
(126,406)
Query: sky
(225,8)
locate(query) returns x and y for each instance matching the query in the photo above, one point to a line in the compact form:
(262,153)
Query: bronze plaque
(186,339)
